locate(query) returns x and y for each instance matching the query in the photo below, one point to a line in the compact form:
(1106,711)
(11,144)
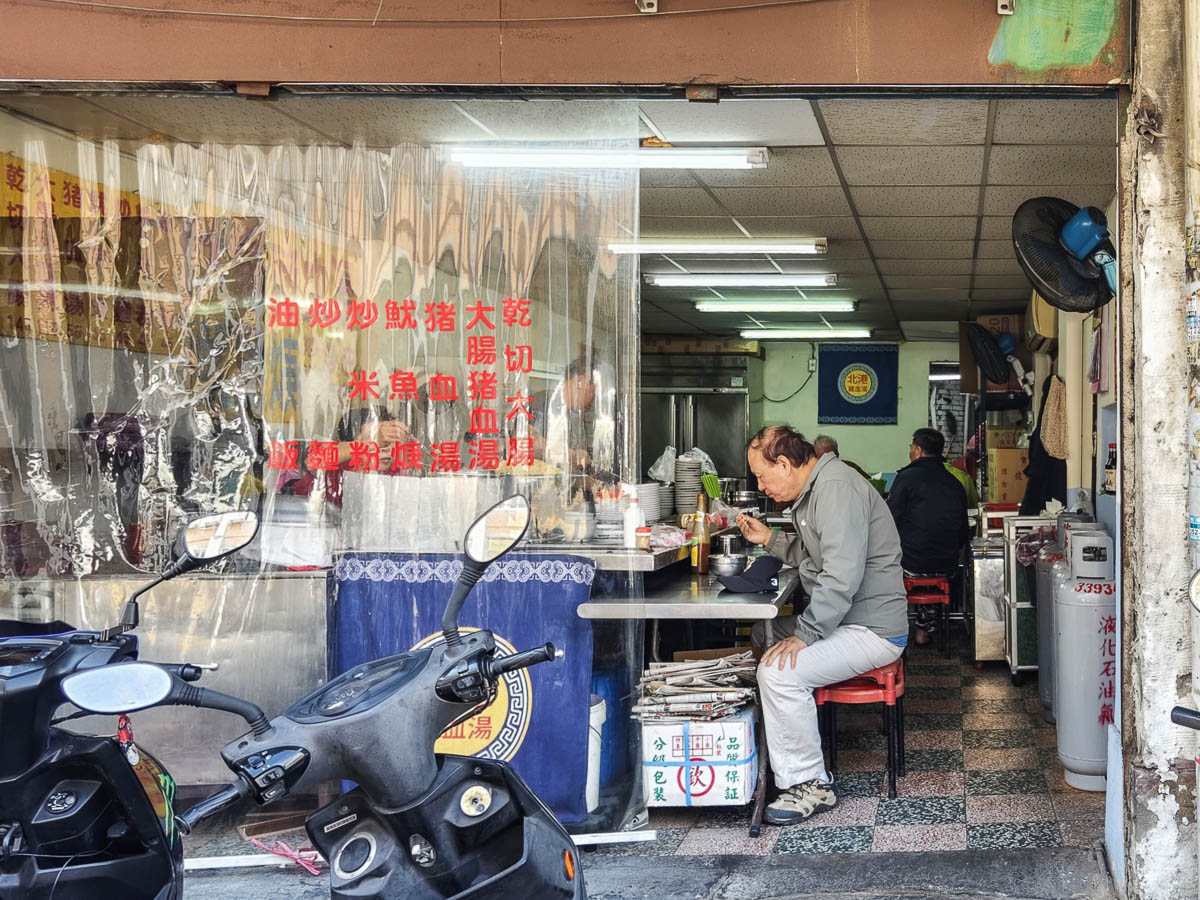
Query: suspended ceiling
(914,195)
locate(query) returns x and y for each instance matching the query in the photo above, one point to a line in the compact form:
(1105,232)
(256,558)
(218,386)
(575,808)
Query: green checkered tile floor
(983,773)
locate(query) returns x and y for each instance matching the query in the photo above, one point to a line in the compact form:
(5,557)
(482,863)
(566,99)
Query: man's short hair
(929,441)
(823,444)
(776,441)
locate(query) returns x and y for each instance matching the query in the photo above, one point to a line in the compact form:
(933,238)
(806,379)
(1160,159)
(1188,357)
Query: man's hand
(753,530)
(784,651)
(393,432)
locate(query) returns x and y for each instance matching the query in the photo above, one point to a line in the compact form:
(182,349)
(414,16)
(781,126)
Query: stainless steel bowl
(727,564)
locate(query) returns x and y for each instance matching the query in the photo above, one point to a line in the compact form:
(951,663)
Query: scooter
(82,816)
(419,825)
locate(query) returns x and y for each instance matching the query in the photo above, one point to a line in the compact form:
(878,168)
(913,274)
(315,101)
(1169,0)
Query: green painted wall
(877,448)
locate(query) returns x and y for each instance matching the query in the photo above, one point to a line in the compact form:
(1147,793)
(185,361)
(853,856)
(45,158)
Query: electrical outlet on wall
(812,365)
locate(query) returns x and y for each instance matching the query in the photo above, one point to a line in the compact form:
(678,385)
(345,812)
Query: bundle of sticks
(699,689)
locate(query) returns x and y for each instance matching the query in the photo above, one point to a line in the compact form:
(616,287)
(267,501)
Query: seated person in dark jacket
(930,509)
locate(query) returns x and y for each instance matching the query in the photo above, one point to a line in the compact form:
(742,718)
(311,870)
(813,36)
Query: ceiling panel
(777,123)
(703,264)
(76,114)
(1014,297)
(929,331)
(841,249)
(922,249)
(921,282)
(801,226)
(952,310)
(381,124)
(1052,165)
(925,266)
(786,167)
(996,227)
(860,265)
(787,201)
(913,228)
(1008,266)
(232,120)
(1056,122)
(1003,201)
(653,226)
(899,122)
(944,295)
(1017,283)
(911,165)
(916,201)
(678,202)
(996,250)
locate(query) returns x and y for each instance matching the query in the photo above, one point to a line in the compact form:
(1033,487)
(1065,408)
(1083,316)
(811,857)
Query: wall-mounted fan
(1066,253)
(991,353)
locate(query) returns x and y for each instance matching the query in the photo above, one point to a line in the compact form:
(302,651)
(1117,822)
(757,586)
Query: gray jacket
(847,553)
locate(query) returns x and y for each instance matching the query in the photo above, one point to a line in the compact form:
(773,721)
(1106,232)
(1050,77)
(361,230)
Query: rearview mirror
(211,537)
(119,688)
(498,530)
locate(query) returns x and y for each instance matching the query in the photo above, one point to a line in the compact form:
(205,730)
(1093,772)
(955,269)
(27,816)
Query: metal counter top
(692,596)
(610,558)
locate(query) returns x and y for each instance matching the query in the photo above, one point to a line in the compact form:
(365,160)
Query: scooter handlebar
(545,653)
(226,797)
(1181,715)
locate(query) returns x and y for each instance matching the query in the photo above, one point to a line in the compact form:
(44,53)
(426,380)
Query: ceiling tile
(925,266)
(922,249)
(227,120)
(1017,283)
(656,178)
(688,226)
(916,201)
(911,165)
(892,122)
(993,294)
(913,228)
(547,120)
(1008,266)
(787,201)
(919,282)
(659,265)
(786,167)
(996,227)
(842,249)
(996,250)
(929,331)
(76,114)
(1052,165)
(801,226)
(857,266)
(938,310)
(1056,122)
(677,202)
(943,295)
(774,123)
(1003,201)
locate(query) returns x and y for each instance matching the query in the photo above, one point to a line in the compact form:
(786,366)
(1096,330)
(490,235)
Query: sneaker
(799,802)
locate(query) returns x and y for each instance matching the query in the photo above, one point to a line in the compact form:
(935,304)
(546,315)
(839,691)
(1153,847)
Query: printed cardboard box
(1006,475)
(719,769)
(1004,438)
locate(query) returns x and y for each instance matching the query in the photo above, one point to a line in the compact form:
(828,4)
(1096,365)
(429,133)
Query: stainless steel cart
(986,611)
(1020,632)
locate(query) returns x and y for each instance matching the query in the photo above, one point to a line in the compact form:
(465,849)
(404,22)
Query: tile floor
(983,773)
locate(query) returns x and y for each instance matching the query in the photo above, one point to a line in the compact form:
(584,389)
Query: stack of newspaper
(699,689)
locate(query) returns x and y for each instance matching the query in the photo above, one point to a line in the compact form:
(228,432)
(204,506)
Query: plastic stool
(883,685)
(925,590)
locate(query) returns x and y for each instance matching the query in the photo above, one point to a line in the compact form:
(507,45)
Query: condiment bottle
(701,536)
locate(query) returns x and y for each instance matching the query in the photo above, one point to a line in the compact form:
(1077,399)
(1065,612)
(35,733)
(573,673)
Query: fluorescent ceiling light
(944,376)
(815,333)
(735,247)
(716,306)
(614,158)
(797,280)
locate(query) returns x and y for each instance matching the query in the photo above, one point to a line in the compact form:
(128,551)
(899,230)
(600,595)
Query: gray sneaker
(799,802)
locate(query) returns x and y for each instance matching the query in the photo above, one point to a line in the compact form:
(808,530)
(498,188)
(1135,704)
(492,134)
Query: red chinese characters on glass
(406,457)
(364,456)
(481,350)
(404,386)
(361,314)
(520,452)
(482,385)
(283,313)
(323,455)
(324,313)
(283,455)
(440,316)
(364,384)
(519,407)
(518,358)
(516,312)
(400,315)
(479,312)
(443,388)
(446,457)
(485,453)
(483,421)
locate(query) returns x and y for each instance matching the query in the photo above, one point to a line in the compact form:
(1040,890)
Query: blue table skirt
(387,603)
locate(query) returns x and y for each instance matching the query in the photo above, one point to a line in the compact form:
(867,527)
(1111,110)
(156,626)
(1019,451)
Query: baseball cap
(758,576)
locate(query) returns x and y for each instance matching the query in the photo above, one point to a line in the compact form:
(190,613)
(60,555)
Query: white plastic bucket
(597,713)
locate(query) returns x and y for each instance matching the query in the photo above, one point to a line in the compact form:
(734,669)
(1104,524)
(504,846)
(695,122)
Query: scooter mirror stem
(471,573)
(129,615)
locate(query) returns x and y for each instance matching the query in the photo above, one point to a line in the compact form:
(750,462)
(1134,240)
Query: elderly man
(847,554)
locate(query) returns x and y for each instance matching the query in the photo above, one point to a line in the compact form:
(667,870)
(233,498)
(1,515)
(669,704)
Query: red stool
(883,685)
(926,590)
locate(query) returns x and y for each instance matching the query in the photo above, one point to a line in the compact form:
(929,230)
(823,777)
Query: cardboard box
(720,767)
(1006,475)
(1004,438)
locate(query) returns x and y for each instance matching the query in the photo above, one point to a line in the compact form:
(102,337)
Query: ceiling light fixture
(493,157)
(733,247)
(719,306)
(944,376)
(784,280)
(805,334)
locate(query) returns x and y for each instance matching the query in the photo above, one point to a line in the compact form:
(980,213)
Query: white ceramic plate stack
(650,500)
(610,519)
(687,484)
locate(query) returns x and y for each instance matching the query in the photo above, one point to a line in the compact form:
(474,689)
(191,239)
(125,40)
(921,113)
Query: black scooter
(419,826)
(87,817)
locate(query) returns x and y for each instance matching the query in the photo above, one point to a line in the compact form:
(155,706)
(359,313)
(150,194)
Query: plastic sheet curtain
(365,345)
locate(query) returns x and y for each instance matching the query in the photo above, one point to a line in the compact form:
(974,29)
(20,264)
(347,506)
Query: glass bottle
(701,536)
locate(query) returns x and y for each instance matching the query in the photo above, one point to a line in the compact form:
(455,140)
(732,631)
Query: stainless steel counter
(610,558)
(692,596)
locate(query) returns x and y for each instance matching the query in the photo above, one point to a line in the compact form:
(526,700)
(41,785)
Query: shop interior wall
(877,448)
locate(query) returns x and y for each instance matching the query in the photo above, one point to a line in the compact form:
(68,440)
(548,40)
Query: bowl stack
(610,519)
(687,484)
(650,500)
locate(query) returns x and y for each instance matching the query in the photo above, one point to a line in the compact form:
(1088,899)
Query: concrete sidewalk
(1042,874)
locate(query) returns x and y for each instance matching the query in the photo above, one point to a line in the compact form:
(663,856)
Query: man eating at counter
(847,555)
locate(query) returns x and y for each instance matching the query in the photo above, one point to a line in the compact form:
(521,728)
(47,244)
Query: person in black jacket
(930,509)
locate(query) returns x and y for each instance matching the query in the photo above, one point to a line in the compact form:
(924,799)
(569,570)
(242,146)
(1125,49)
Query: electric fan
(1066,253)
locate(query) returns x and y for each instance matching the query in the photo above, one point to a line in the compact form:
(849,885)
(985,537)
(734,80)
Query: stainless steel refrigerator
(696,401)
